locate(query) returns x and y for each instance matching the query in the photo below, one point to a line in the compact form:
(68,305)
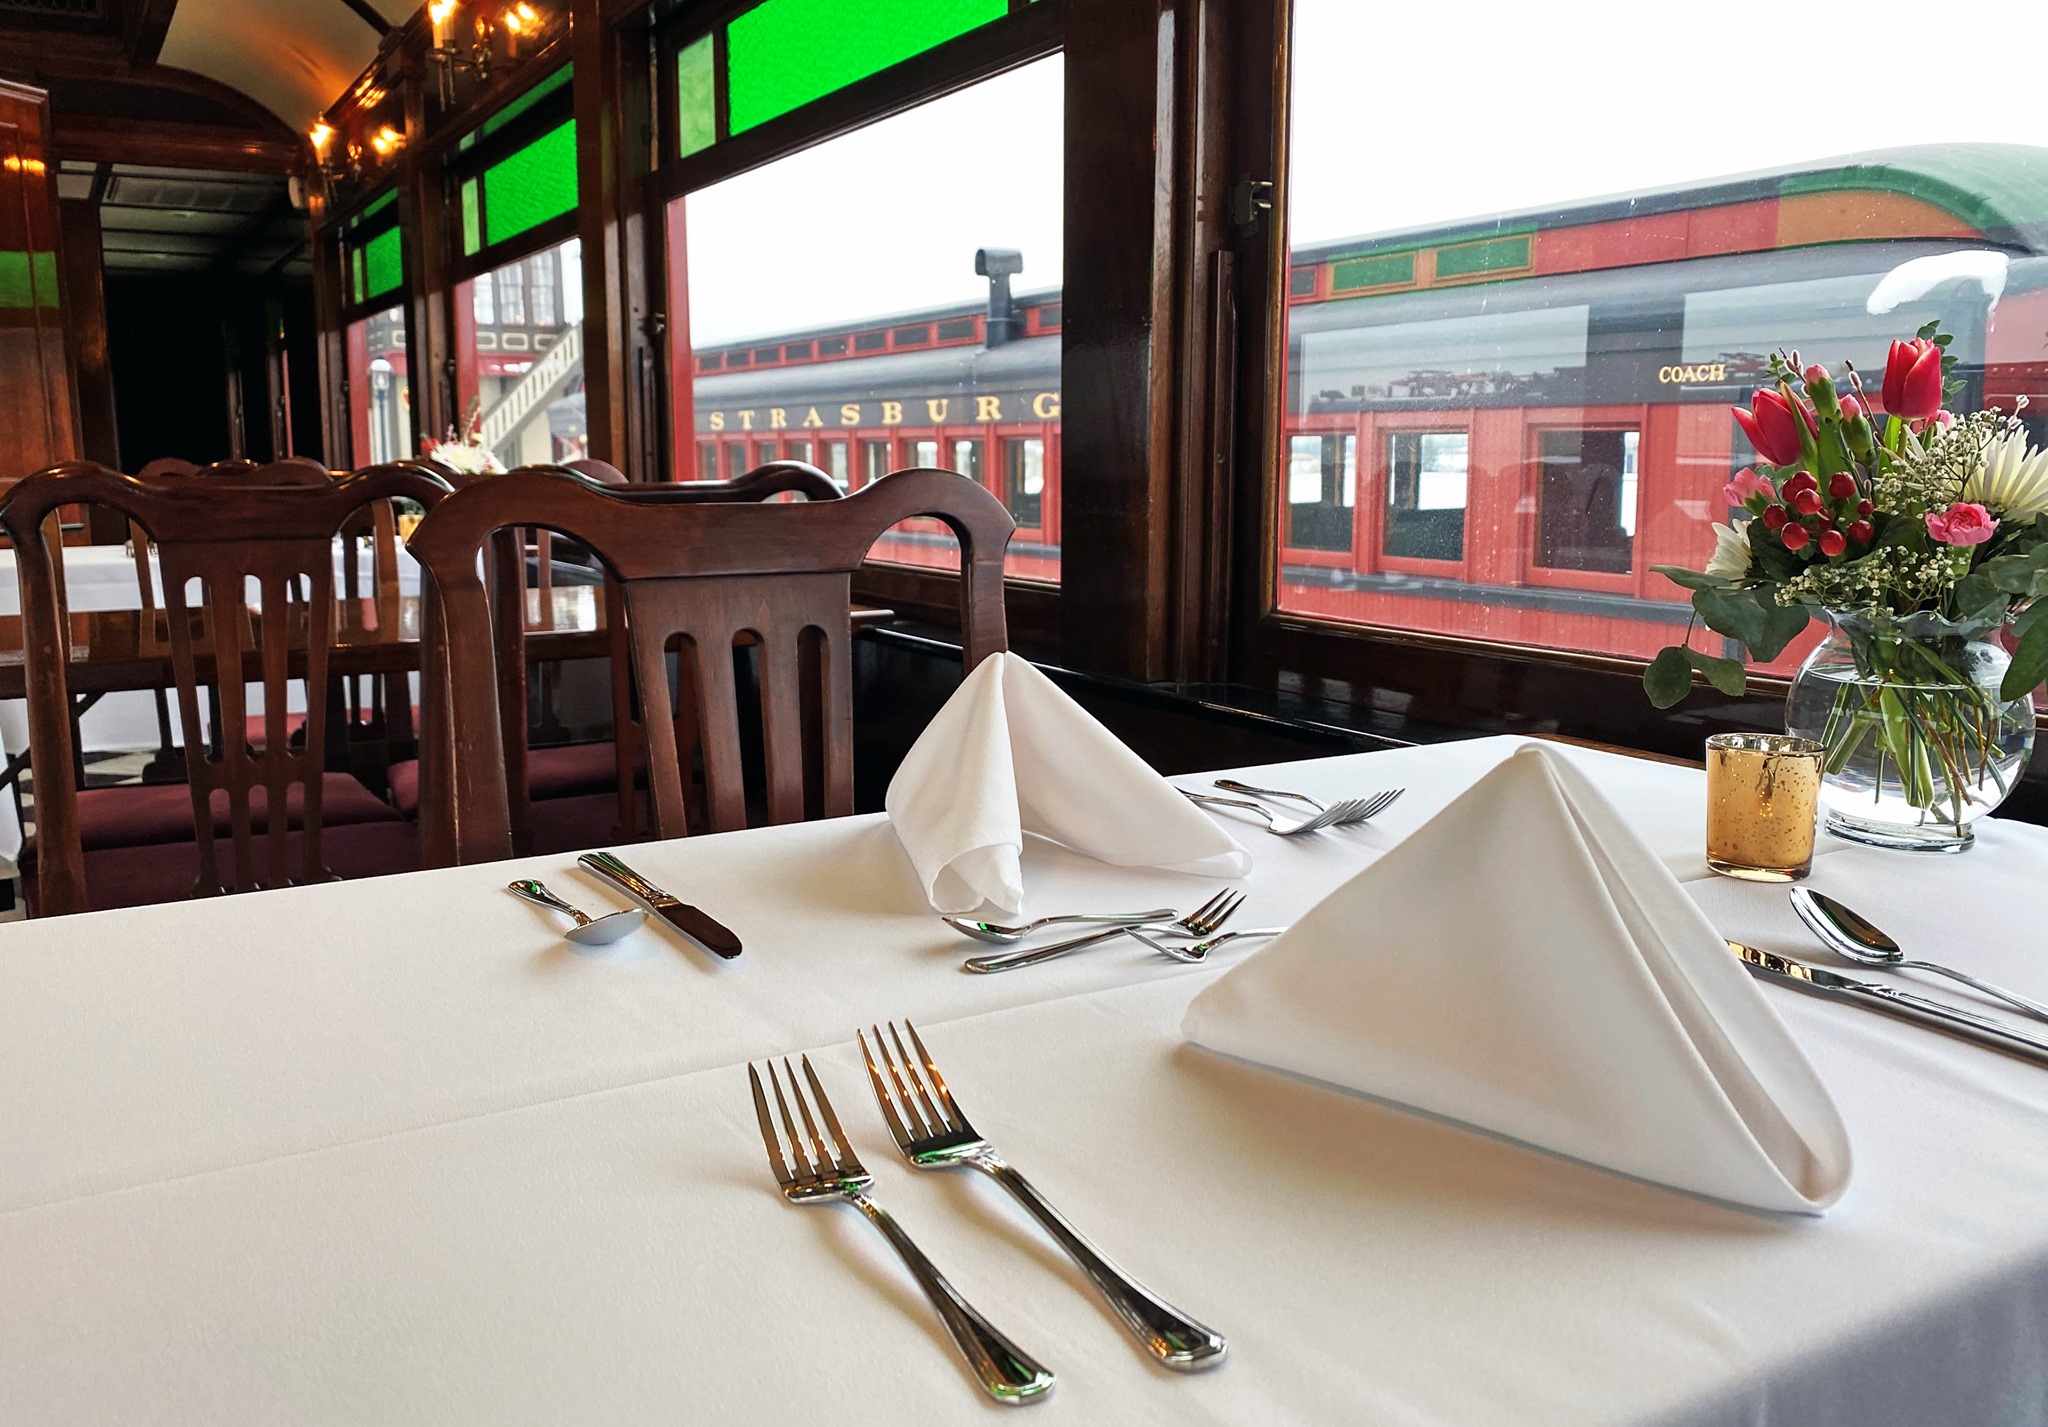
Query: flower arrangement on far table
(1922,538)
(464,451)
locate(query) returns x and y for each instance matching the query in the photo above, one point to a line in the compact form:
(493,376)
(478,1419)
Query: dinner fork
(1001,933)
(1231,785)
(1199,951)
(1204,919)
(1345,813)
(933,1134)
(1006,1372)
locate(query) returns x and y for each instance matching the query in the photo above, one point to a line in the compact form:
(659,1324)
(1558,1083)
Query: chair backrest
(698,576)
(280,537)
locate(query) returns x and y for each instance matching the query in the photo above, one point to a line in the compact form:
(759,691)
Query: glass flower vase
(1919,742)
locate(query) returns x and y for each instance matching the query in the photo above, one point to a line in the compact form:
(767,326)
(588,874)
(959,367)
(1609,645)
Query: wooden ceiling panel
(292,56)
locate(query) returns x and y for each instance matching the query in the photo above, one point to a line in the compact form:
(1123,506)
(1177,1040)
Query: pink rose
(1964,523)
(1747,483)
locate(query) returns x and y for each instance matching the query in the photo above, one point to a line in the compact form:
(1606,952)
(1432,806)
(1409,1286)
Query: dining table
(394,1151)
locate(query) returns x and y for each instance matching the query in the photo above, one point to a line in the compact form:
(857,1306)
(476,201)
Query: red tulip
(1912,379)
(1833,543)
(1771,427)
(1794,536)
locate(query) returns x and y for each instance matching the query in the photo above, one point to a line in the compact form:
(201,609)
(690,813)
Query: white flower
(1730,560)
(466,458)
(2011,478)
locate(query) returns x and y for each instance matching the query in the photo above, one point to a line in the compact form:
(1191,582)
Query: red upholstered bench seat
(565,771)
(136,815)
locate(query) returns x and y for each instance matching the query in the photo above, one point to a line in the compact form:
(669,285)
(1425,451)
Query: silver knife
(701,926)
(1875,996)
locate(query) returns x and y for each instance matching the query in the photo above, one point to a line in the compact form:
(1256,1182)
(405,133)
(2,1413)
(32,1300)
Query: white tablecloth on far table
(102,577)
(390,1152)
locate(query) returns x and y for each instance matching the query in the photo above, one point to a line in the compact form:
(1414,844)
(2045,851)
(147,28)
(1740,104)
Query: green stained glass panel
(383,263)
(356,266)
(472,232)
(524,102)
(784,53)
(17,286)
(529,187)
(696,99)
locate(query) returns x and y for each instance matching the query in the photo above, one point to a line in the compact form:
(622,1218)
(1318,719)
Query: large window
(519,356)
(1510,351)
(380,396)
(868,341)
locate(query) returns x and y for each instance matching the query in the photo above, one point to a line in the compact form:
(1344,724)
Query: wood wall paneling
(38,423)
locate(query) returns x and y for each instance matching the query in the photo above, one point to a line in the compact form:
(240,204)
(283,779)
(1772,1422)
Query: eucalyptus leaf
(1669,678)
(1734,614)
(1783,623)
(1690,579)
(1724,674)
(2029,667)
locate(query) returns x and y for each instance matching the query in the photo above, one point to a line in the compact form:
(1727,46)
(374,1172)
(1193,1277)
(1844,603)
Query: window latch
(1250,199)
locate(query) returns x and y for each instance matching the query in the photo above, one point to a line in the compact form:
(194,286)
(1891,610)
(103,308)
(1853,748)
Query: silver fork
(1000,933)
(1344,813)
(1231,785)
(933,1134)
(1006,1372)
(1200,922)
(1199,951)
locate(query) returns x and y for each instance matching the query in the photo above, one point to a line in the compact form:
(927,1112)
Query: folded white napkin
(1011,754)
(1523,963)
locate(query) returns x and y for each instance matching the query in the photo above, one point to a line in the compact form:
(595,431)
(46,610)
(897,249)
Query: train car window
(380,398)
(836,464)
(1427,475)
(874,461)
(967,459)
(1586,500)
(880,331)
(707,461)
(800,451)
(1024,481)
(1322,488)
(519,375)
(735,460)
(1536,342)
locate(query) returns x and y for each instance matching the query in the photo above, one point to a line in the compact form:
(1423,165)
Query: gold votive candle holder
(1763,804)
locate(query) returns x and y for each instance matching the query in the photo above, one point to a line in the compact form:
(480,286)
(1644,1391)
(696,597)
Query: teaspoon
(588,931)
(1855,938)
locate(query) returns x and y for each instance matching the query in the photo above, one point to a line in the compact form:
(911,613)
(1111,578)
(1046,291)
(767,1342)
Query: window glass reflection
(519,359)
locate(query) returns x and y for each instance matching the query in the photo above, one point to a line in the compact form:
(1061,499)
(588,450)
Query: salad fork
(1204,919)
(1345,813)
(930,1129)
(1199,951)
(1005,1371)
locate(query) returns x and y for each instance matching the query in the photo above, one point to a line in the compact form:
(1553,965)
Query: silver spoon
(1854,938)
(999,933)
(587,931)
(1199,951)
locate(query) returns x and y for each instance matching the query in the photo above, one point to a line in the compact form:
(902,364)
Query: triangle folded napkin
(1524,964)
(1010,754)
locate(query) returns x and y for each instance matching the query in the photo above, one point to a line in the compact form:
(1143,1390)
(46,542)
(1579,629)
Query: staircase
(537,387)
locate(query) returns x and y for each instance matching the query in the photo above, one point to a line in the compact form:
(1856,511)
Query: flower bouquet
(464,451)
(1922,536)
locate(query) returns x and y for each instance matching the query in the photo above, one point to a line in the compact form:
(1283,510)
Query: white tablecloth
(390,1152)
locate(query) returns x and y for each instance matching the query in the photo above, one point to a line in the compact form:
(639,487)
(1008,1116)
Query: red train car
(1494,429)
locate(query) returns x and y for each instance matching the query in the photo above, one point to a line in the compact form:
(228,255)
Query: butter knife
(1875,996)
(701,926)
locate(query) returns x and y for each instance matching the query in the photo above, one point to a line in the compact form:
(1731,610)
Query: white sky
(885,218)
(1405,115)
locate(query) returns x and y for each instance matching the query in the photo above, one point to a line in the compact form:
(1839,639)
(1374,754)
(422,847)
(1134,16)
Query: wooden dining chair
(244,788)
(573,795)
(700,578)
